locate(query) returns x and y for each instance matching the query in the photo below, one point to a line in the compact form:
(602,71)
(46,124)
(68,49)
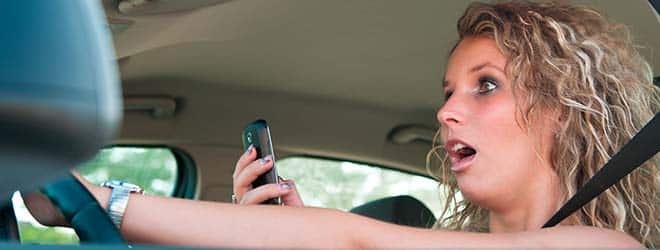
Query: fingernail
(265,160)
(285,186)
(249,150)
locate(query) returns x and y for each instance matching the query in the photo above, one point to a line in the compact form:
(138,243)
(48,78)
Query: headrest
(59,90)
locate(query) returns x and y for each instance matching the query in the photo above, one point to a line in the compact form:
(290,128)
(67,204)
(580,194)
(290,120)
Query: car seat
(401,210)
(60,100)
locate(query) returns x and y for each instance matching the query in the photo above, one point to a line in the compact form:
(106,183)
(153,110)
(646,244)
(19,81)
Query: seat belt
(644,145)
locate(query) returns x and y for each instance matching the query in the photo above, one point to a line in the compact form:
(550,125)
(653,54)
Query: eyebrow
(474,69)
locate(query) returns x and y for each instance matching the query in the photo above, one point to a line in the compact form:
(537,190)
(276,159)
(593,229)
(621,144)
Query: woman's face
(496,162)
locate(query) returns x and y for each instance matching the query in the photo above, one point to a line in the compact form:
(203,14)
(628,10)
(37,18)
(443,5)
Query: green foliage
(153,169)
(31,234)
(344,185)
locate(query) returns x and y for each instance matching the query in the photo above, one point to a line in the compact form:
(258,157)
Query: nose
(451,114)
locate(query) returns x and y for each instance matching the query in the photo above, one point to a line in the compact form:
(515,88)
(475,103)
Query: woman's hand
(248,168)
(43,210)
(46,213)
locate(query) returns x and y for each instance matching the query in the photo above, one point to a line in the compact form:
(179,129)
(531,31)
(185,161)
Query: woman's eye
(486,85)
(448,94)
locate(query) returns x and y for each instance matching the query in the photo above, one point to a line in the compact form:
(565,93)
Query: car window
(155,169)
(344,184)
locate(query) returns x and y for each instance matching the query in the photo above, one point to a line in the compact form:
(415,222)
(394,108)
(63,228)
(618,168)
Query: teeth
(457,147)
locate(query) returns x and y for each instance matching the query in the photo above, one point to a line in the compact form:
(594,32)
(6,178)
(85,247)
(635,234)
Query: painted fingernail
(285,186)
(265,160)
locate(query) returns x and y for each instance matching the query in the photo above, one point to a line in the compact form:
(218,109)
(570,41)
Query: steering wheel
(82,211)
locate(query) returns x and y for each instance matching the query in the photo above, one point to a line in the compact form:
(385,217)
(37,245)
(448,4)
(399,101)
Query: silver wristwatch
(119,199)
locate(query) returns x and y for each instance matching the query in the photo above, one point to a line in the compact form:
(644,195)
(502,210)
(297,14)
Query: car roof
(314,69)
(385,53)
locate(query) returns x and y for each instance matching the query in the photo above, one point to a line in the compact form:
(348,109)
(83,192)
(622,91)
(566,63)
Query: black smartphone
(257,134)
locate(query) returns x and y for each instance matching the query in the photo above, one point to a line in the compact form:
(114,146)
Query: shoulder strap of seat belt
(644,145)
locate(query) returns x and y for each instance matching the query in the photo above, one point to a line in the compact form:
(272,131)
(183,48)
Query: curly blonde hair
(571,59)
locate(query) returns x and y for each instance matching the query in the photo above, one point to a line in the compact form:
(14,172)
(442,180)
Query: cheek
(497,124)
(503,144)
(508,142)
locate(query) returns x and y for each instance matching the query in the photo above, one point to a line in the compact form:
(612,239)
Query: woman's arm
(393,236)
(182,222)
(171,221)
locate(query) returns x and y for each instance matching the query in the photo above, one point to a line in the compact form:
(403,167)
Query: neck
(533,208)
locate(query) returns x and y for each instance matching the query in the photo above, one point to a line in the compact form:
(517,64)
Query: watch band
(119,199)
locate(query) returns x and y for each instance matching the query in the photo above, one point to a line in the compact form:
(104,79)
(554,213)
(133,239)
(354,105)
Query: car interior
(342,84)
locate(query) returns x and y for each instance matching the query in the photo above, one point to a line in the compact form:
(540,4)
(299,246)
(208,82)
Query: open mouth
(463,151)
(461,154)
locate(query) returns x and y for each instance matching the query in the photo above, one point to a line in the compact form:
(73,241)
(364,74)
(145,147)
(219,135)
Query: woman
(538,96)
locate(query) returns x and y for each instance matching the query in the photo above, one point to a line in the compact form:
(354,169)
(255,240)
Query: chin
(473,191)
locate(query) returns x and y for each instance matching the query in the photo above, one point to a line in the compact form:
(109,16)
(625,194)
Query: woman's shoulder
(590,236)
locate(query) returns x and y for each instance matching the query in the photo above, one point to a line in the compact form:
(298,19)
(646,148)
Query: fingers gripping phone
(257,134)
